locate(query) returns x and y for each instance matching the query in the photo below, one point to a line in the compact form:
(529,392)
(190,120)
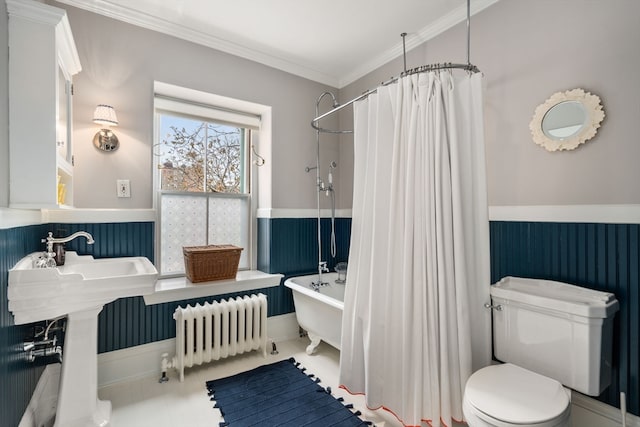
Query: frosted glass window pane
(184,223)
(228,224)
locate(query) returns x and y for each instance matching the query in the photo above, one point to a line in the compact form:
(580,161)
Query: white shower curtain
(414,325)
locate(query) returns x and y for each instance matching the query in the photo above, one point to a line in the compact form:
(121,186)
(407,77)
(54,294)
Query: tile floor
(145,402)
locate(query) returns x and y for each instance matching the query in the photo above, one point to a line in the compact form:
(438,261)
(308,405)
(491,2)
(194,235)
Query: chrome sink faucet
(48,261)
(51,240)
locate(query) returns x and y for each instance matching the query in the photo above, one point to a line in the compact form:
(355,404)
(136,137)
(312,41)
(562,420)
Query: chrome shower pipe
(469,32)
(322,265)
(322,95)
(336,107)
(404,51)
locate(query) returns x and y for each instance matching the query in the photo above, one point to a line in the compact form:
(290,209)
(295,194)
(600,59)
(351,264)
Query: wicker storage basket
(213,262)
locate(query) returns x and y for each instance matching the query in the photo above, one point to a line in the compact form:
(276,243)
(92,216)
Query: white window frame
(226,110)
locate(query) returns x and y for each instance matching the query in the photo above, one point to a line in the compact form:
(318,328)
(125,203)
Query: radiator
(217,330)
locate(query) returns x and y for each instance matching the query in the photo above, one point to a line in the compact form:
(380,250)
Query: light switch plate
(123,188)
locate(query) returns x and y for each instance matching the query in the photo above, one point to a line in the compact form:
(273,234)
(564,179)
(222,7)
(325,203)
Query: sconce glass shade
(105,115)
(105,139)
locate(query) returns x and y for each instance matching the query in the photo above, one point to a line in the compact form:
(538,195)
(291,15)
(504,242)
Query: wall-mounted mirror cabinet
(42,61)
(566,120)
(63,116)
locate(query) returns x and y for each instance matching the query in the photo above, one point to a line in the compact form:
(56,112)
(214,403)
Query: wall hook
(260,160)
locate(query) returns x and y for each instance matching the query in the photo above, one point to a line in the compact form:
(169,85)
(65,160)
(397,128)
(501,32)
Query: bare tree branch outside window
(200,156)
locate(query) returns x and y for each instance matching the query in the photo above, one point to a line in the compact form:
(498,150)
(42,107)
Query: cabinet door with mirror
(42,61)
(64,139)
(63,117)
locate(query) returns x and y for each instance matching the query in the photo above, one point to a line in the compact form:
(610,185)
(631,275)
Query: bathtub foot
(315,342)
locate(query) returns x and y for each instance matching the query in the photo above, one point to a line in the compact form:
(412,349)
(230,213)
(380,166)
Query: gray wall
(528,50)
(120,63)
(4,106)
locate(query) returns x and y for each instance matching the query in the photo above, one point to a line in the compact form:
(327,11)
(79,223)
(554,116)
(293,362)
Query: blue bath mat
(280,394)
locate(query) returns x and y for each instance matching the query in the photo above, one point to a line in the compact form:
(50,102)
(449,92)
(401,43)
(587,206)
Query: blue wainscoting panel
(111,239)
(18,378)
(604,257)
(128,322)
(290,245)
(597,256)
(286,246)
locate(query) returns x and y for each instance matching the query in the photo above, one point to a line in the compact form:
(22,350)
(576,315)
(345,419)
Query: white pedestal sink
(79,290)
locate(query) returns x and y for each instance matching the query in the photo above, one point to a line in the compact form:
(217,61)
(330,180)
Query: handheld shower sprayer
(332,166)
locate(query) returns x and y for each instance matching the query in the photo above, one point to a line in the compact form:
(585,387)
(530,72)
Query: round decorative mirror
(566,120)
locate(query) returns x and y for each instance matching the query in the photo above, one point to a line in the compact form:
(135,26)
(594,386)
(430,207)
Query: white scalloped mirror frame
(593,116)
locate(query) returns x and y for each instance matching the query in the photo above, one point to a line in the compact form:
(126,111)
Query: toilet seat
(506,395)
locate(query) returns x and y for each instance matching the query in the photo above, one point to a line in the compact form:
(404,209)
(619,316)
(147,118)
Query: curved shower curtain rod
(422,69)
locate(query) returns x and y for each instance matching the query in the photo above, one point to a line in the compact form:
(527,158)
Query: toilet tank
(558,330)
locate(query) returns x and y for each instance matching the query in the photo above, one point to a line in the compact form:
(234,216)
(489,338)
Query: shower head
(333,99)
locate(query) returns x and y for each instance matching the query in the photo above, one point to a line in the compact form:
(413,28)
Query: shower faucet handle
(322,267)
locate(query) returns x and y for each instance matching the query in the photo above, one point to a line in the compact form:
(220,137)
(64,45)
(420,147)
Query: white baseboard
(144,360)
(589,412)
(283,327)
(133,362)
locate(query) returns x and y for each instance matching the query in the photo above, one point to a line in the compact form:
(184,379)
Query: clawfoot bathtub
(319,312)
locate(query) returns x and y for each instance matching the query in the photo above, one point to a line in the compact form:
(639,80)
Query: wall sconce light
(105,139)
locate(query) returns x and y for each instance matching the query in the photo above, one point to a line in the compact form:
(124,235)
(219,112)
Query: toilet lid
(513,394)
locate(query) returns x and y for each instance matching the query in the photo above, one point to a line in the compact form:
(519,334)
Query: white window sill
(179,288)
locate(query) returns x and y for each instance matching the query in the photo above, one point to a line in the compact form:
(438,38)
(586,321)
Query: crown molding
(35,12)
(425,34)
(140,19)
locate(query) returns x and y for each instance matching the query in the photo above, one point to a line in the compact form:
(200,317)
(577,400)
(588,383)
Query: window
(199,155)
(203,179)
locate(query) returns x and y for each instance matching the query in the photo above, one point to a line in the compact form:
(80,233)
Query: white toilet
(551,335)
